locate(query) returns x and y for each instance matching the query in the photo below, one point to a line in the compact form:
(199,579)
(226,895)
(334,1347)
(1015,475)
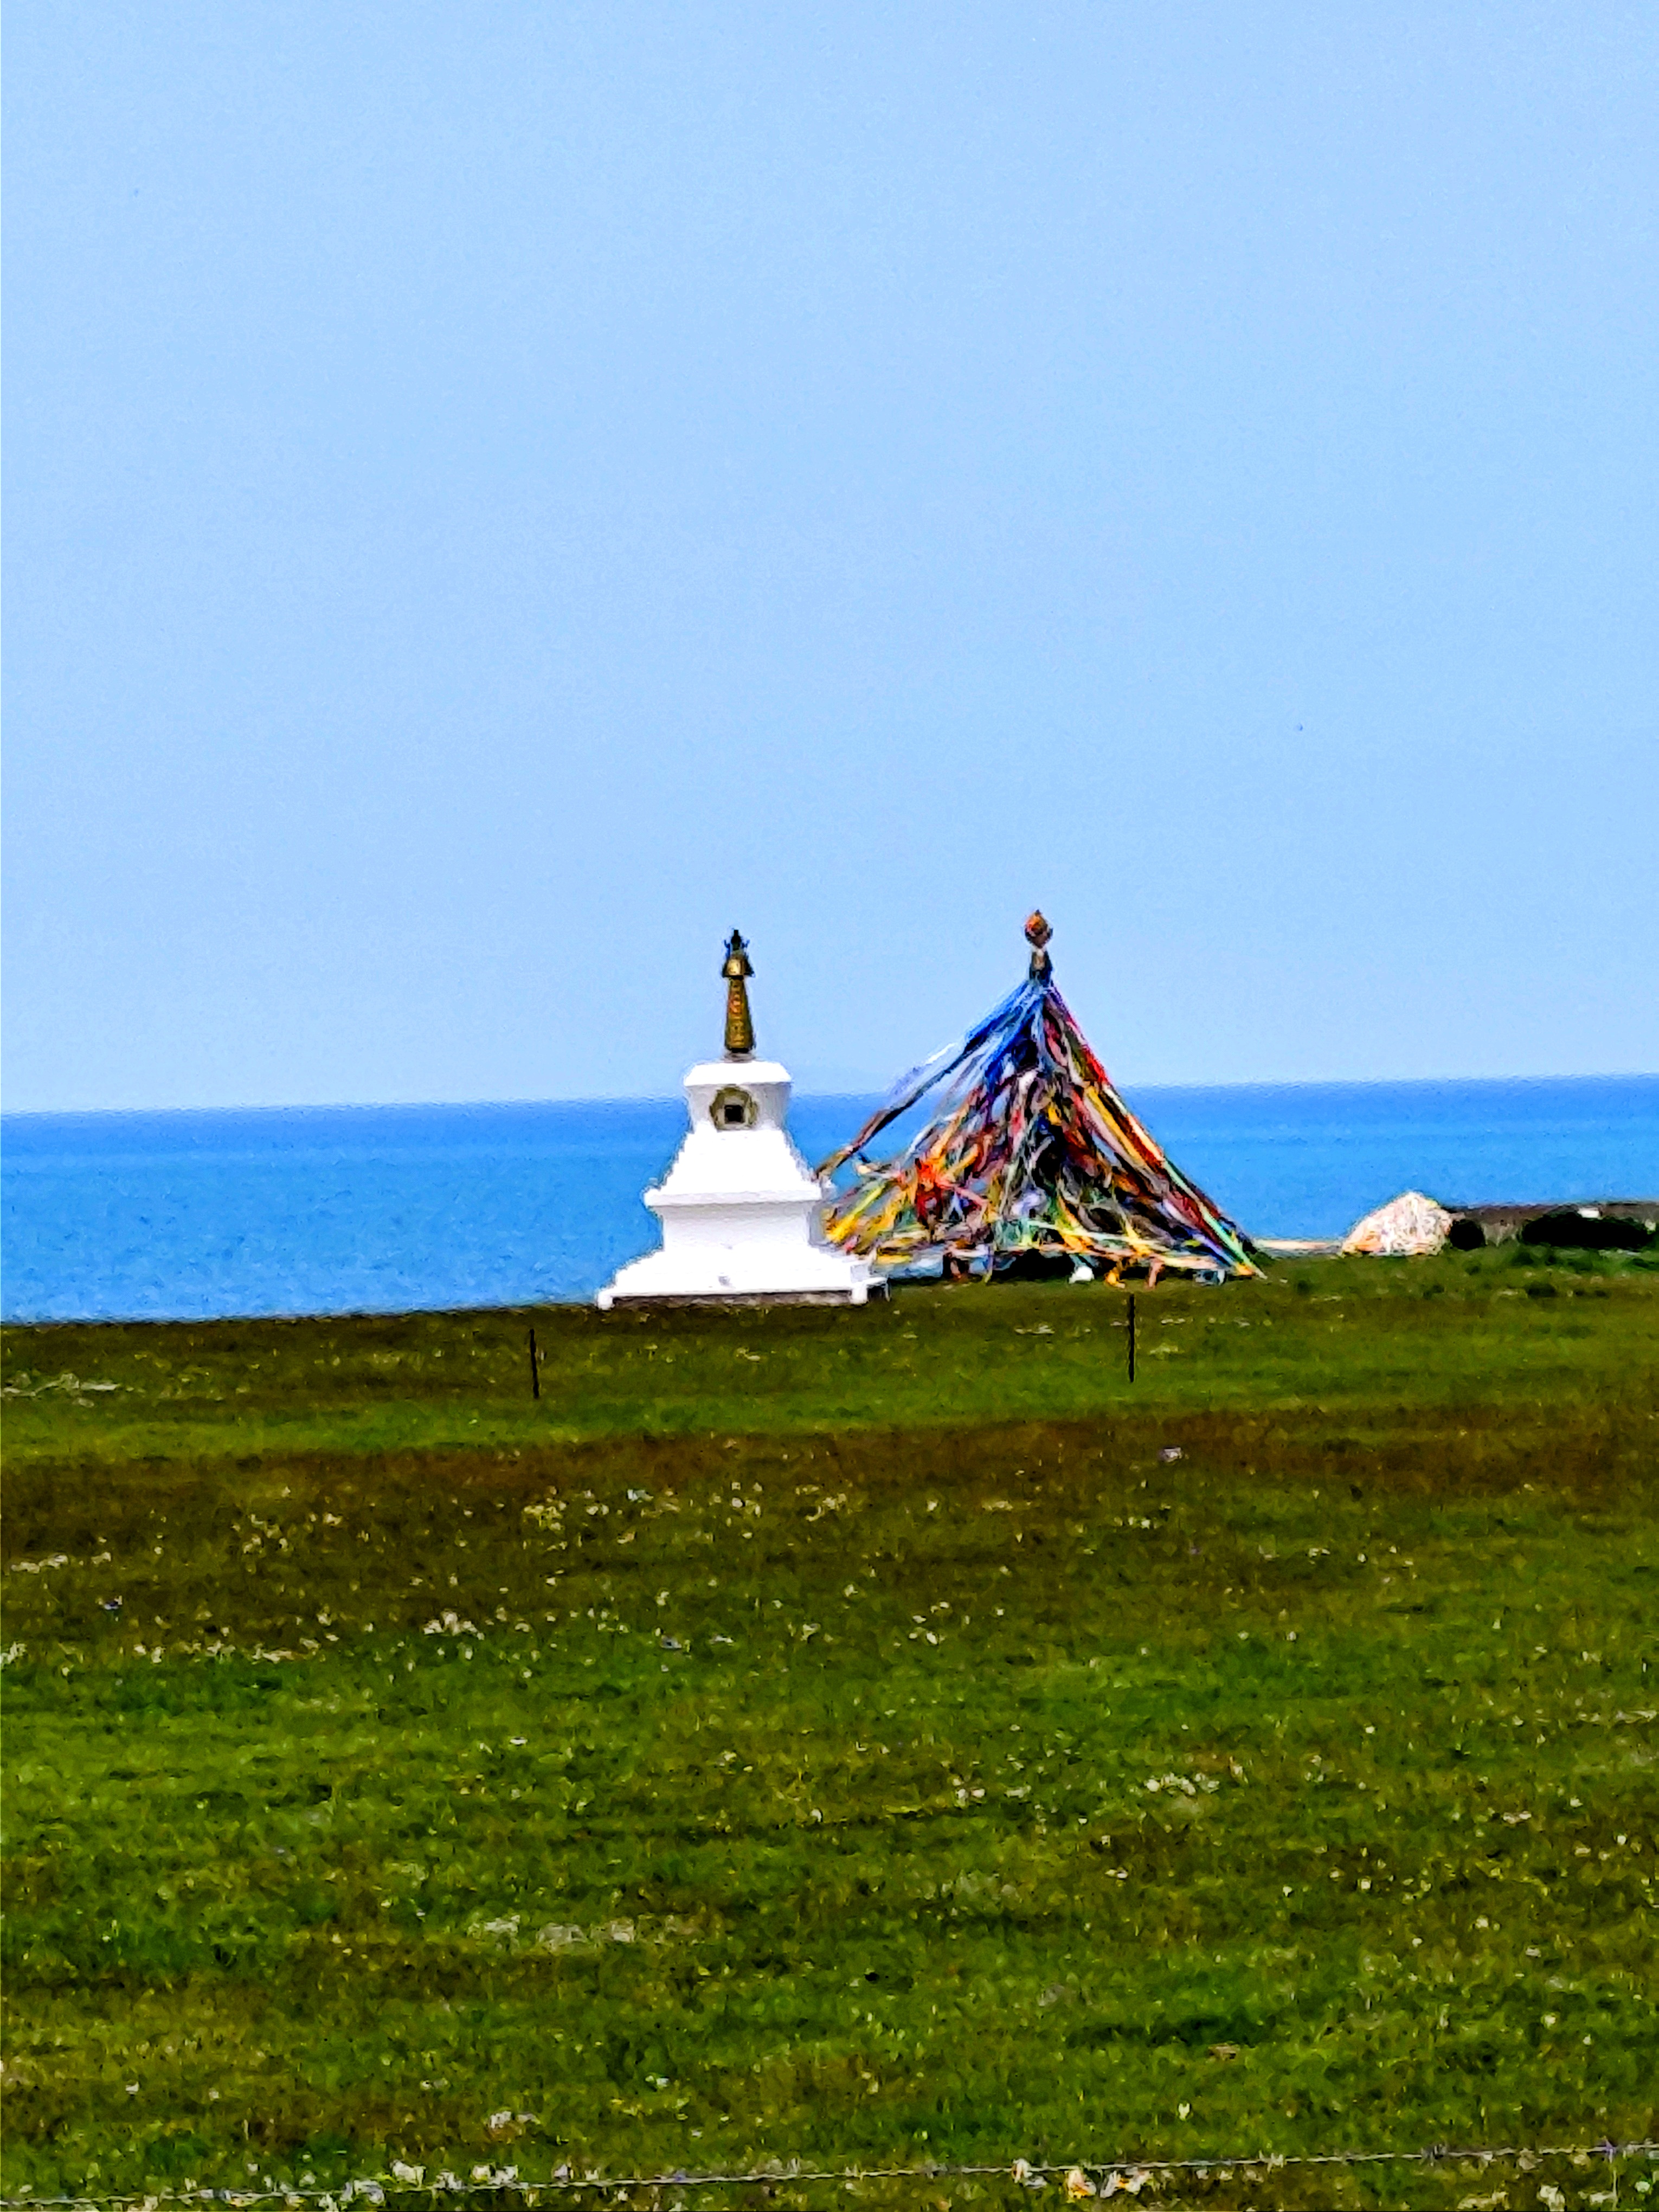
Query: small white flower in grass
(412,2174)
(555,1937)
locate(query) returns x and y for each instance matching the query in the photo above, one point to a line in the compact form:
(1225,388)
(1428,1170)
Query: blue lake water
(343,1209)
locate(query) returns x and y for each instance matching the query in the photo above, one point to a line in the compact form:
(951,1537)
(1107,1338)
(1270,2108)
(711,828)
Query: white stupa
(741,1212)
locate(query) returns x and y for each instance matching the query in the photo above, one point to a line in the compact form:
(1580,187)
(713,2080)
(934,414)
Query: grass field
(853,1738)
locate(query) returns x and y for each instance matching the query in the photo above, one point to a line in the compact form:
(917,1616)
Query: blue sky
(497,495)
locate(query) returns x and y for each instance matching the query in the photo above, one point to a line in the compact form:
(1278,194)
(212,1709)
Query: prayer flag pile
(1031,1156)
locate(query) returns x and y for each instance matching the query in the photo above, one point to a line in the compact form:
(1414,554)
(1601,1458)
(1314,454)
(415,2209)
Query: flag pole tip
(1037,934)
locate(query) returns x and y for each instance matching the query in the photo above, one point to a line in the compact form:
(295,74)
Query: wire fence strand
(1084,2177)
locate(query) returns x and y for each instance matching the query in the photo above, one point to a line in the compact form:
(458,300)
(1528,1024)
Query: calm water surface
(343,1209)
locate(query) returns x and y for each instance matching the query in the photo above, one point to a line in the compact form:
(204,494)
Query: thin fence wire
(1082,2177)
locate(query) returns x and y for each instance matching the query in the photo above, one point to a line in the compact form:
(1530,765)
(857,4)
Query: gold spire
(1037,933)
(740,1029)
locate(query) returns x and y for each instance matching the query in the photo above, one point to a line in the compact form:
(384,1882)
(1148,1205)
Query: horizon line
(672,1097)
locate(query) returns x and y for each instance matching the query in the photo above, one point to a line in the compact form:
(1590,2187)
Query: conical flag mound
(1031,1157)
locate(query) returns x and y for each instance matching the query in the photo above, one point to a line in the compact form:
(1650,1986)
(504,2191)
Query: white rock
(1410,1226)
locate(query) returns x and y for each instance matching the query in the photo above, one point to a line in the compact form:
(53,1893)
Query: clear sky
(498,493)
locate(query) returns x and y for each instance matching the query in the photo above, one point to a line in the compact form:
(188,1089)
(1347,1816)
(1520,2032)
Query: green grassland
(858,1738)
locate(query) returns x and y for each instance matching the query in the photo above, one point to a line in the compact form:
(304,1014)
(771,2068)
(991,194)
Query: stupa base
(787,1272)
(849,1297)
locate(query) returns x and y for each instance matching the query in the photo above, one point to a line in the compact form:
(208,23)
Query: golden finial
(1037,933)
(740,1029)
